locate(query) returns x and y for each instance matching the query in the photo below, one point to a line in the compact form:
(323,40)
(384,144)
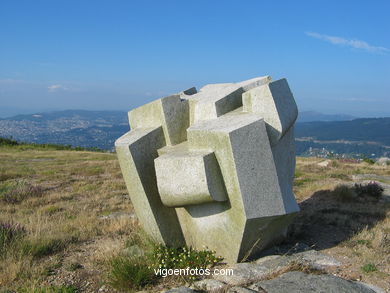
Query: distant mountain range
(313,131)
(70,127)
(368,136)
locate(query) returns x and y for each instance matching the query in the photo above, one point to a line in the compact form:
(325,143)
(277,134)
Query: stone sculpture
(214,168)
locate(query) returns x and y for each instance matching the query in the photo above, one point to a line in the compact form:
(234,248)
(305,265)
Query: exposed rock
(386,193)
(385,198)
(103,289)
(317,259)
(119,215)
(209,285)
(181,290)
(313,258)
(370,177)
(298,282)
(242,290)
(275,262)
(372,287)
(267,258)
(133,250)
(384,161)
(244,273)
(324,163)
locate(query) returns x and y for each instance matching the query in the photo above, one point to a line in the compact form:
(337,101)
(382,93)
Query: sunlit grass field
(67,217)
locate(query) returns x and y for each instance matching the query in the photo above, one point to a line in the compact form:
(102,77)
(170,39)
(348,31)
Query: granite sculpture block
(214,168)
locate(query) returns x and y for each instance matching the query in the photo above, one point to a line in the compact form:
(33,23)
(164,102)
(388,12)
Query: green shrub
(298,173)
(369,161)
(16,191)
(130,273)
(363,242)
(372,189)
(43,247)
(353,243)
(368,268)
(51,210)
(344,193)
(9,232)
(135,272)
(358,192)
(7,141)
(183,257)
(302,181)
(339,176)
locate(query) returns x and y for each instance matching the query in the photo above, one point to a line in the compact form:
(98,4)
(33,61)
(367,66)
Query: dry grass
(354,229)
(294,266)
(75,189)
(68,243)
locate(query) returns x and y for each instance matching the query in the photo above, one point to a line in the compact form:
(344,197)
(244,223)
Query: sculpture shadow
(329,217)
(208,209)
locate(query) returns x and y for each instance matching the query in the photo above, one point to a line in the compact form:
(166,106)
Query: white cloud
(357,44)
(56,87)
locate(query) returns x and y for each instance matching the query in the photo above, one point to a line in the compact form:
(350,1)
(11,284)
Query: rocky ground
(301,269)
(326,264)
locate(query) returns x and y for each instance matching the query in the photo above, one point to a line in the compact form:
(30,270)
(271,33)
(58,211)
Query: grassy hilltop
(67,224)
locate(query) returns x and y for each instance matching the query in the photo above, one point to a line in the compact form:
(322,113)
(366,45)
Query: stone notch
(170,112)
(275,103)
(214,100)
(214,168)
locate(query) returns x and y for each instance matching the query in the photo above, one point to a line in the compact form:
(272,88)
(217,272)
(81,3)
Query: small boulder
(133,250)
(324,163)
(242,290)
(313,258)
(384,161)
(317,259)
(244,273)
(181,290)
(119,215)
(298,282)
(209,285)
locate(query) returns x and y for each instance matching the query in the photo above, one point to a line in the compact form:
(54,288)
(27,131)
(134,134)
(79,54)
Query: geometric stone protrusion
(214,168)
(136,151)
(170,112)
(187,178)
(214,100)
(275,103)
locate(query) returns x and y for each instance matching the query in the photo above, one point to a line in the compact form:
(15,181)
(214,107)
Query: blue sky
(116,55)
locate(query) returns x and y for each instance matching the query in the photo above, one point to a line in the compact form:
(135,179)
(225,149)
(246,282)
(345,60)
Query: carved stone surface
(214,168)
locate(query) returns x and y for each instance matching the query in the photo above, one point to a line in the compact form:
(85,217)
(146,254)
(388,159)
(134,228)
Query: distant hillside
(308,116)
(76,116)
(100,129)
(363,129)
(370,136)
(71,127)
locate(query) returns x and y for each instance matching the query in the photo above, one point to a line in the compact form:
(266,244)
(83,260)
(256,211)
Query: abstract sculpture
(214,168)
